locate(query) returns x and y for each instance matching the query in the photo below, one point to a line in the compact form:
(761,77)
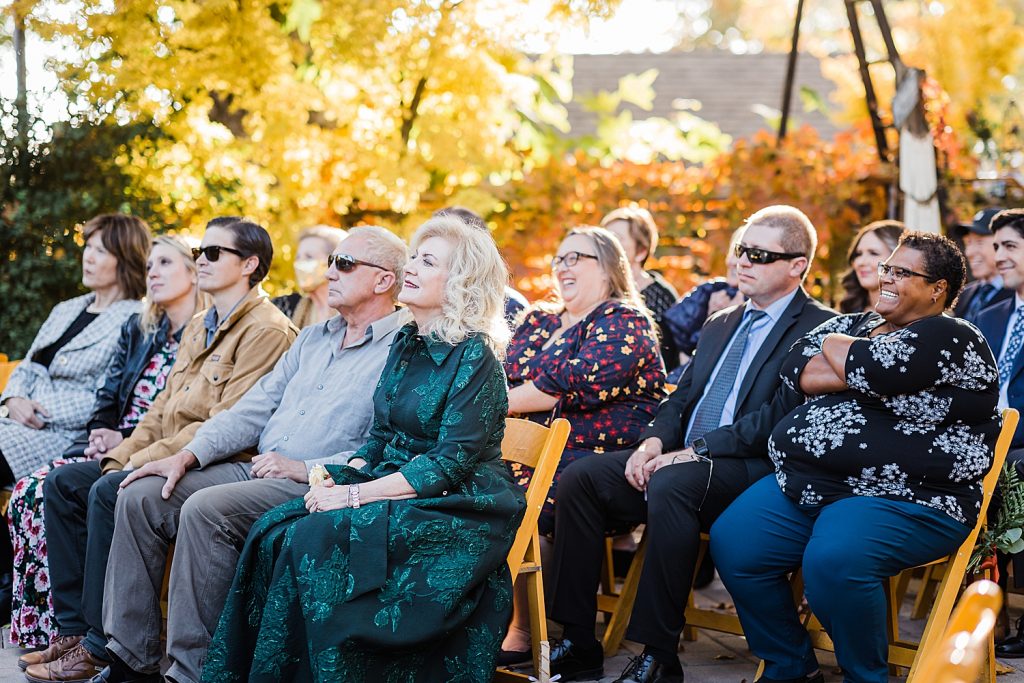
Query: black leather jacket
(134,350)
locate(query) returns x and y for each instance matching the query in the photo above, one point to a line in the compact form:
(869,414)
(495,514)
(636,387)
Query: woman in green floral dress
(395,570)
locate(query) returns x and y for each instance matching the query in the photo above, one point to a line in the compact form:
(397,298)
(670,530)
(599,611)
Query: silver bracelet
(353,496)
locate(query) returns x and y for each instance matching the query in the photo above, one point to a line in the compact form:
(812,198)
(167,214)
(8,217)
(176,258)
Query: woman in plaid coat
(52,393)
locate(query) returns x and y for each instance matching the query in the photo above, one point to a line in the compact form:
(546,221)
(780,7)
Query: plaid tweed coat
(68,389)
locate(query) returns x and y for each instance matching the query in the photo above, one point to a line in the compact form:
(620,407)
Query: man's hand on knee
(273,465)
(666,459)
(650,449)
(172,468)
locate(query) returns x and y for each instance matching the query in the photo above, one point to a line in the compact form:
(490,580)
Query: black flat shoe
(513,657)
(646,669)
(572,662)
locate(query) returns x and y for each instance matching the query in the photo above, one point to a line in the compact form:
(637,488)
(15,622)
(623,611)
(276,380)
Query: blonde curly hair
(474,295)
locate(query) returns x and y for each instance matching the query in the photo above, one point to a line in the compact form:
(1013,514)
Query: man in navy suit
(722,412)
(1003,327)
(979,248)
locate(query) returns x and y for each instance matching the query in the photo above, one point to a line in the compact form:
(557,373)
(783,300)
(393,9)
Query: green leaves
(301,17)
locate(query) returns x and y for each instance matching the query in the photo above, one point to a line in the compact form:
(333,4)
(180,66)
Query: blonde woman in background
(145,352)
(309,305)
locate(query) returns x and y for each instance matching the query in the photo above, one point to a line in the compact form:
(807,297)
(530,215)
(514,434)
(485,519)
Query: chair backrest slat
(541,448)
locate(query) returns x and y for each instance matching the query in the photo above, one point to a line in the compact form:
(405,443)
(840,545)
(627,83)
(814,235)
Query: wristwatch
(700,447)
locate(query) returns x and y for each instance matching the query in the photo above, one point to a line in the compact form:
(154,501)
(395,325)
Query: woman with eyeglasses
(879,470)
(309,305)
(146,350)
(223,352)
(872,243)
(590,356)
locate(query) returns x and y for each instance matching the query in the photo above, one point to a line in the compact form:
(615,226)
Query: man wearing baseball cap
(979,248)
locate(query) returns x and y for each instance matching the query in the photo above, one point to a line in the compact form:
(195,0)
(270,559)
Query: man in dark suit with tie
(1003,327)
(706,445)
(979,248)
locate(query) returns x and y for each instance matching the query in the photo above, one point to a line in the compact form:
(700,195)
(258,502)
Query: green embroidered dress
(394,591)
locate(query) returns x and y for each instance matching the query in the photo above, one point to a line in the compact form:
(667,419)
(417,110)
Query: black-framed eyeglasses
(346,264)
(897,273)
(213,252)
(757,255)
(569,260)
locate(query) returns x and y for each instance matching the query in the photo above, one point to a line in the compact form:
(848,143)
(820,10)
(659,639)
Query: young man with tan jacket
(224,351)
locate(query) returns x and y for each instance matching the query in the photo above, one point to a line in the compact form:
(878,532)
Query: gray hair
(385,249)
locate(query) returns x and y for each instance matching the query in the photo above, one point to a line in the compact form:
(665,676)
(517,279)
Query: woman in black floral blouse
(590,357)
(881,469)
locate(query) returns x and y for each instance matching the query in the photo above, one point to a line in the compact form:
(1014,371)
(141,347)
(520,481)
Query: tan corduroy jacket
(207,380)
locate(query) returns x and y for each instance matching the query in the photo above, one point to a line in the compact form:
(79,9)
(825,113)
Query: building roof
(727,85)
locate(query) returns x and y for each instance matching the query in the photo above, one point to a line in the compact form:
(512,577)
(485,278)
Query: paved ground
(712,658)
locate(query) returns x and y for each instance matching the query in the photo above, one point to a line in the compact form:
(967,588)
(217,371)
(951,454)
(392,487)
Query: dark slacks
(846,550)
(594,499)
(79,524)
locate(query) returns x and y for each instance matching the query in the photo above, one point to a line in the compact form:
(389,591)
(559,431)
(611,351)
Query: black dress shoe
(113,674)
(816,677)
(647,669)
(1012,647)
(572,662)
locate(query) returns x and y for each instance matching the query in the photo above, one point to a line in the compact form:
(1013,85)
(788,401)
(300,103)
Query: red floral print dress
(607,373)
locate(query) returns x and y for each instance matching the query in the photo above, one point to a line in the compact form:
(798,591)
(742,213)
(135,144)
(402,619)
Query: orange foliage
(837,183)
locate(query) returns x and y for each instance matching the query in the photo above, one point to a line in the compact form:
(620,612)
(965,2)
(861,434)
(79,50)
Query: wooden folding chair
(539,447)
(948,571)
(964,646)
(6,368)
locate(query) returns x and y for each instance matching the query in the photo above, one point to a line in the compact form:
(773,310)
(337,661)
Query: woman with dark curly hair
(880,469)
(872,243)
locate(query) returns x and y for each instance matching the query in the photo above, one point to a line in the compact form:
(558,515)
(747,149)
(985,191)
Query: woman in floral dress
(880,470)
(591,357)
(396,570)
(144,355)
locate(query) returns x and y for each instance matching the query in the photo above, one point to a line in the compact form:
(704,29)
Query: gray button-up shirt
(316,405)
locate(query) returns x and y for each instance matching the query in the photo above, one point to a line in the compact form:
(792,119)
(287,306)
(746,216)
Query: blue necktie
(980,300)
(709,411)
(1013,344)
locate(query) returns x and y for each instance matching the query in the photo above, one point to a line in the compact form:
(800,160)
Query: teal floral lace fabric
(394,591)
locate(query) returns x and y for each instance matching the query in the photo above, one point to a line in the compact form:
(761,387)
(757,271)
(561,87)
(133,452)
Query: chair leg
(616,629)
(689,632)
(608,571)
(926,593)
(892,615)
(539,627)
(952,574)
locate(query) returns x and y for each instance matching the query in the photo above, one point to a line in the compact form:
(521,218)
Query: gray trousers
(207,518)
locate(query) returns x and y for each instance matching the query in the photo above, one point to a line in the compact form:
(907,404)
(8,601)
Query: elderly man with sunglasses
(314,407)
(706,445)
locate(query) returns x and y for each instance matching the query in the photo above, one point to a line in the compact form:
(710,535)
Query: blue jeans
(847,549)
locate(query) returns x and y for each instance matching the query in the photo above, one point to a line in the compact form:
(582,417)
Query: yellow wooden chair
(6,368)
(539,447)
(950,573)
(964,649)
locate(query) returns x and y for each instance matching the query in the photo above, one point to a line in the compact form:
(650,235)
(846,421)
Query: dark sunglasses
(346,264)
(213,252)
(897,273)
(763,255)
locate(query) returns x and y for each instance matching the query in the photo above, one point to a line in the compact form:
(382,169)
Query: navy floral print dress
(607,373)
(917,424)
(395,591)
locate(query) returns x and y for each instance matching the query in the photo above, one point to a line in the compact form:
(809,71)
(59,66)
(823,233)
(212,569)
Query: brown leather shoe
(58,647)
(77,665)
